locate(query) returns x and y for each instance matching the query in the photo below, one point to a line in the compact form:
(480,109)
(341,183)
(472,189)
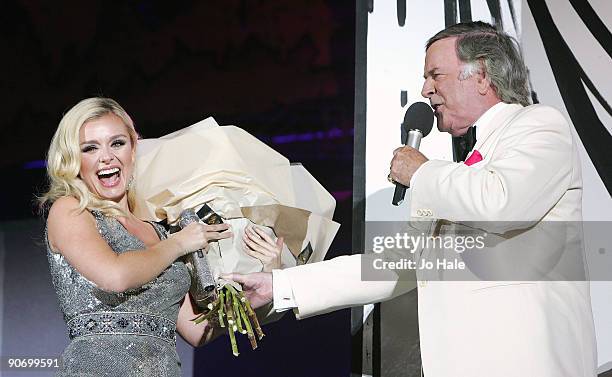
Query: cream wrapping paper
(241,179)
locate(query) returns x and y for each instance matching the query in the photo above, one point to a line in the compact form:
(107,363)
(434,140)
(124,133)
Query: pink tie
(474,158)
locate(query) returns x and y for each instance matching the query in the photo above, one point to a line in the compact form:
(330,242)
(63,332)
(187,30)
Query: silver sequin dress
(119,334)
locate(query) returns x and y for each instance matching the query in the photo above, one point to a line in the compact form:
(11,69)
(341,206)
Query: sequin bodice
(77,295)
(81,300)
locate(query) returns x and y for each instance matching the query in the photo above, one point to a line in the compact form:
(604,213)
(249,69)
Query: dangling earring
(130,183)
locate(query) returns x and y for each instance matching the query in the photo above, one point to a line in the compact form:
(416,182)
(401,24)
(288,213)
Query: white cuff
(282,292)
(415,174)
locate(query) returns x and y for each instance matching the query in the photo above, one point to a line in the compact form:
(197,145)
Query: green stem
(249,328)
(230,325)
(252,315)
(221,307)
(238,316)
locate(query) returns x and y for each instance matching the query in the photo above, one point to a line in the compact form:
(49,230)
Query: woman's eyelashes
(118,143)
(88,148)
(115,144)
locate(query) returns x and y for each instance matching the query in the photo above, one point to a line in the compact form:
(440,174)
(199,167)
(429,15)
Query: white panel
(604,9)
(590,54)
(480,11)
(395,63)
(596,202)
(507,19)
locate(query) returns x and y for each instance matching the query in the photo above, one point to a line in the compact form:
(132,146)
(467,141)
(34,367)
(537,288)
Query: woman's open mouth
(109,177)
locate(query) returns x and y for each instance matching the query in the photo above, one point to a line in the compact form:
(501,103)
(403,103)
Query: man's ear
(483,83)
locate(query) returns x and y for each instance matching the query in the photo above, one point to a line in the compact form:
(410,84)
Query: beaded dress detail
(119,334)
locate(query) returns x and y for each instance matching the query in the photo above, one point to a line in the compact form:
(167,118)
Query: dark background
(283,70)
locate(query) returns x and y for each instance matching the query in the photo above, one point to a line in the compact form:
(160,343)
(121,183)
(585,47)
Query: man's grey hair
(480,46)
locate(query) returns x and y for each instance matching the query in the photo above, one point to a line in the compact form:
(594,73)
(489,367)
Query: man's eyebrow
(430,72)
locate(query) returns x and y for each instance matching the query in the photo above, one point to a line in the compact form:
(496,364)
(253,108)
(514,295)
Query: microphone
(417,124)
(202,280)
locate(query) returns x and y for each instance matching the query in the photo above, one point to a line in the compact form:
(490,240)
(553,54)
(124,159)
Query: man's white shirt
(282,292)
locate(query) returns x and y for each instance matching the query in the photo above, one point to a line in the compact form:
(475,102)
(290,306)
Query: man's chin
(457,132)
(441,128)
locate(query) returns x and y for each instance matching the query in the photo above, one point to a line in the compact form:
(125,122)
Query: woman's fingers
(217,231)
(274,246)
(261,245)
(216,227)
(219,235)
(264,235)
(264,258)
(279,243)
(253,245)
(250,243)
(250,233)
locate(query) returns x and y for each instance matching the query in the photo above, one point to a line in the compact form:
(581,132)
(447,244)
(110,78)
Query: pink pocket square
(474,158)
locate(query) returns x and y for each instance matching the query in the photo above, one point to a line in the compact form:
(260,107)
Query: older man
(522,173)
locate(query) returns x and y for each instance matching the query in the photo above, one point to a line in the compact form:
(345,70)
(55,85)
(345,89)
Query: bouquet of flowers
(245,183)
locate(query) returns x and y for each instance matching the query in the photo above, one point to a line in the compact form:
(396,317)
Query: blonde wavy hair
(64,157)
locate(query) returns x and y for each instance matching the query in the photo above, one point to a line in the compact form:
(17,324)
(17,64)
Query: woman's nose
(106,155)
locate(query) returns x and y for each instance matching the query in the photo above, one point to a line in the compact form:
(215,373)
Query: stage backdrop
(567,47)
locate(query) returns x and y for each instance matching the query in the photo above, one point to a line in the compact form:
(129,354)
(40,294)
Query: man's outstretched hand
(257,287)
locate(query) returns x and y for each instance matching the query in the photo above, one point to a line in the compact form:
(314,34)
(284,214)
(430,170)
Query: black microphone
(204,280)
(417,124)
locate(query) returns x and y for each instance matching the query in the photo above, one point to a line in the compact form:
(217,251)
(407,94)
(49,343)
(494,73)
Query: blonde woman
(121,287)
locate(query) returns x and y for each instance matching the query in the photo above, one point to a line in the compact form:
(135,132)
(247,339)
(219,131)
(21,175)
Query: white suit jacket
(530,173)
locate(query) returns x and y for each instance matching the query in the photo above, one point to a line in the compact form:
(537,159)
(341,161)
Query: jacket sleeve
(337,283)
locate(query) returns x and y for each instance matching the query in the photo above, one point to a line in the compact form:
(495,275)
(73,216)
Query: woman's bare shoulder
(65,217)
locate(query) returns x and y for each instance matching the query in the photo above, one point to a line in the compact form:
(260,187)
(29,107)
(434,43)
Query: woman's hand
(259,245)
(197,236)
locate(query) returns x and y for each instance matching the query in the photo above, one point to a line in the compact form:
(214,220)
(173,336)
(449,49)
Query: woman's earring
(130,183)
